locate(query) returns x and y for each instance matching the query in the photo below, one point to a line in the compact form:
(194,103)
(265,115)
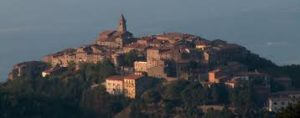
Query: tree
(220,93)
(151,96)
(68,94)
(131,57)
(193,95)
(173,90)
(292,111)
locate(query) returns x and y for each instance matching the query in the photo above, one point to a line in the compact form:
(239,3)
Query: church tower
(117,38)
(122,24)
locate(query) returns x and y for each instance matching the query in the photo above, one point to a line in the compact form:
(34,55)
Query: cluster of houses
(170,56)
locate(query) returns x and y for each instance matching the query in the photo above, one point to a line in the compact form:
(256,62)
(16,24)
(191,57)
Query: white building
(282,100)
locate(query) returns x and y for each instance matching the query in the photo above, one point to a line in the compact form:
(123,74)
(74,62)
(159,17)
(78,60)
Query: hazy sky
(30,29)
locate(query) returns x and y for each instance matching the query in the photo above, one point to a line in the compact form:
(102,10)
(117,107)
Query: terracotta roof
(135,45)
(115,78)
(106,33)
(68,51)
(132,76)
(111,35)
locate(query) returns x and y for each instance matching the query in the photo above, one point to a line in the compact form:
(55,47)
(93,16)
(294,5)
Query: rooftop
(121,78)
(115,78)
(133,77)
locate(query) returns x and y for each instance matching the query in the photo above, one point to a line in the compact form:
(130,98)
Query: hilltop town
(168,57)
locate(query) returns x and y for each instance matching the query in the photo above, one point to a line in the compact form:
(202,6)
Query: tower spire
(122,24)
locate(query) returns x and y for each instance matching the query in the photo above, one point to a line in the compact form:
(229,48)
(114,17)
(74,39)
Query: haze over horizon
(31,29)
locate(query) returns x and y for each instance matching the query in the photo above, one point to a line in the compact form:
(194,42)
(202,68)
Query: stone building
(174,37)
(116,38)
(135,46)
(87,54)
(259,79)
(216,76)
(140,66)
(224,73)
(114,85)
(131,85)
(155,64)
(27,70)
(134,85)
(202,45)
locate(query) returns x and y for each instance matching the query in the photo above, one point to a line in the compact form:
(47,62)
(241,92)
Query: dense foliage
(292,71)
(69,94)
(293,111)
(130,57)
(184,99)
(80,94)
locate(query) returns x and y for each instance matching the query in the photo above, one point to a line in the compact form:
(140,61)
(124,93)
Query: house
(88,54)
(201,45)
(225,72)
(131,86)
(216,76)
(155,65)
(54,70)
(134,85)
(259,79)
(140,66)
(114,85)
(281,100)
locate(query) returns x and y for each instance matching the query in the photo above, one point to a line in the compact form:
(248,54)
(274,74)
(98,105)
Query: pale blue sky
(30,29)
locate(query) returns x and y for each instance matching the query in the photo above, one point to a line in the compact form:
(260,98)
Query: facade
(140,66)
(116,58)
(114,85)
(154,66)
(131,86)
(87,54)
(282,100)
(22,69)
(134,46)
(216,76)
(157,71)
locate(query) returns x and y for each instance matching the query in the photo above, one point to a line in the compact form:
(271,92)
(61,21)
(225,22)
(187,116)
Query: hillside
(163,75)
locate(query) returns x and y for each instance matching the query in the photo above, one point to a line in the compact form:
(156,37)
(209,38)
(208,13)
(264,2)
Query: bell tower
(122,24)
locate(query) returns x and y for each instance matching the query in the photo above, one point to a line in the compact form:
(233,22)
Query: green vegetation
(293,111)
(183,99)
(292,71)
(65,95)
(79,94)
(131,57)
